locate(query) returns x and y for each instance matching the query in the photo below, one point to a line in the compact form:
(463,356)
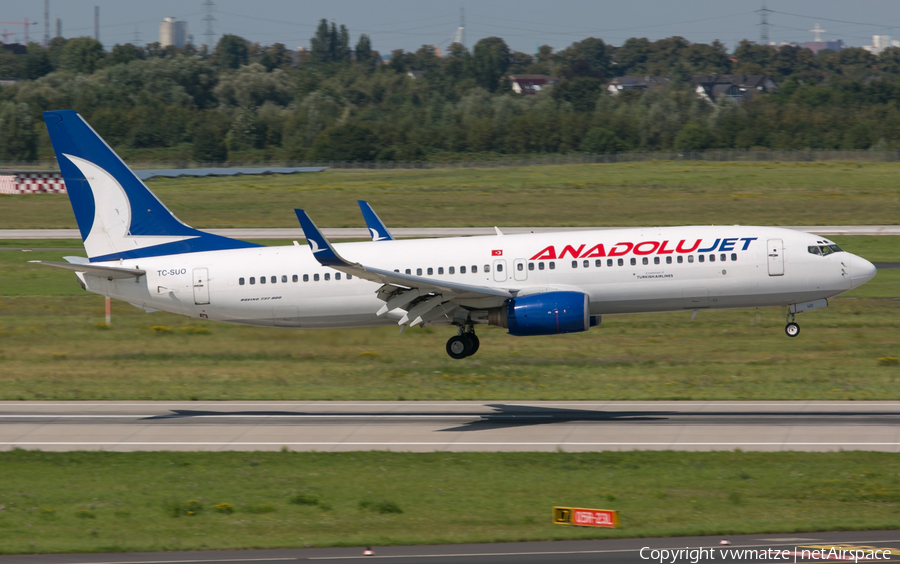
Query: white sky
(407,24)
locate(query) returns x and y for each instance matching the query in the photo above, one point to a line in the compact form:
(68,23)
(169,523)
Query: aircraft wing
(422,298)
(108,272)
(376,227)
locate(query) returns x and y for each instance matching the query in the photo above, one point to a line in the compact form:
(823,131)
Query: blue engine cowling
(552,313)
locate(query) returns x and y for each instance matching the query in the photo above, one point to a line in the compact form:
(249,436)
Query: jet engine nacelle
(551,313)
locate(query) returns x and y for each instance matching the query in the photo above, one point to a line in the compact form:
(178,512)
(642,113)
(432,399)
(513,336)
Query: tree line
(341,100)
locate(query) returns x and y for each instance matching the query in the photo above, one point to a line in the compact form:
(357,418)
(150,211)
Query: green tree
(364,54)
(124,54)
(581,92)
(348,142)
(209,144)
(82,55)
(18,142)
(490,61)
(601,140)
(693,137)
(36,63)
(231,52)
(276,56)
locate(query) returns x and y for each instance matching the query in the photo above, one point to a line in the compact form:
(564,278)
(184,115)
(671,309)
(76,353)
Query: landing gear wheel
(792,329)
(473,338)
(459,347)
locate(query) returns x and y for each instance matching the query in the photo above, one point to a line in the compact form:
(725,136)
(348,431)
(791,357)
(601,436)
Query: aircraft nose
(861,271)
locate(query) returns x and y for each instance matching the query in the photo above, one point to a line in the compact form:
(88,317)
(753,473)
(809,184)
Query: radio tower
(209,19)
(764,24)
(46,23)
(461,30)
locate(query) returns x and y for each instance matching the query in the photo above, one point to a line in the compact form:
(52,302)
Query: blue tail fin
(376,227)
(118,216)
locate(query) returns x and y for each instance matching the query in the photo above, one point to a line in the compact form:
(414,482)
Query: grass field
(80,502)
(654,193)
(54,345)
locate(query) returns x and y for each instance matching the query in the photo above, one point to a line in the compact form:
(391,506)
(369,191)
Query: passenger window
(474,269)
(262,279)
(487,268)
(315,277)
(418,272)
(499,267)
(680,259)
(252,280)
(586,263)
(598,263)
(337,275)
(440,270)
(540,266)
(295,278)
(306,277)
(723,257)
(397,271)
(452,269)
(712,258)
(633,261)
(430,271)
(327,276)
(699,258)
(520,267)
(408,271)
(645,261)
(691,258)
(349,276)
(274,279)
(609,262)
(656,260)
(621,262)
(530,266)
(669,260)
(574,264)
(462,269)
(733,257)
(241,281)
(552,265)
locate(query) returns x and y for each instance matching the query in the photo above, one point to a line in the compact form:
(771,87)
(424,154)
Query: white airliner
(532,284)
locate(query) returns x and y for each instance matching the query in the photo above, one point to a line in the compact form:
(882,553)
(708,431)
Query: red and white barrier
(38,183)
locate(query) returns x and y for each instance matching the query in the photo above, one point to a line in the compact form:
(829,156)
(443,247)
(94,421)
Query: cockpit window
(824,250)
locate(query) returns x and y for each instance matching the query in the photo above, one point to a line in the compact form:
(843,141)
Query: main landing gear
(792,329)
(464,344)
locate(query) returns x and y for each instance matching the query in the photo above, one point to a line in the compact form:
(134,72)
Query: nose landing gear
(464,344)
(792,329)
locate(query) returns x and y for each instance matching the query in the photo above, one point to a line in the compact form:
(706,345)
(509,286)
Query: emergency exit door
(775,252)
(201,286)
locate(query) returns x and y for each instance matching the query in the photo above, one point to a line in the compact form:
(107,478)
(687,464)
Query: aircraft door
(775,252)
(500,271)
(520,269)
(201,286)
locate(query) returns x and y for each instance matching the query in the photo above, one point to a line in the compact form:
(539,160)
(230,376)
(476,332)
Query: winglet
(321,248)
(376,227)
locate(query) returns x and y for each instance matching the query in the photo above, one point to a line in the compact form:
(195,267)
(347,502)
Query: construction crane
(24,24)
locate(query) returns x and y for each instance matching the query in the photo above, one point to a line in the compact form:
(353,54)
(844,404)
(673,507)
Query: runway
(510,426)
(420,232)
(789,547)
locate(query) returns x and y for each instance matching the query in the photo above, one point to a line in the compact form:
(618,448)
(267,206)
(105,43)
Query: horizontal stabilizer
(108,272)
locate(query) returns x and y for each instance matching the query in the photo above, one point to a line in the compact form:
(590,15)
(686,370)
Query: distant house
(734,87)
(416,73)
(530,83)
(640,83)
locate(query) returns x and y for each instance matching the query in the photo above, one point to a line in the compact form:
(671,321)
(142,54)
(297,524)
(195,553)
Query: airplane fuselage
(621,270)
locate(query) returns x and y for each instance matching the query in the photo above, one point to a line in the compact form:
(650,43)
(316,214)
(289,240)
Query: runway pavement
(414,232)
(450,426)
(742,548)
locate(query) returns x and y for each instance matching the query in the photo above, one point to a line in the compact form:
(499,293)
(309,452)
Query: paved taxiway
(450,426)
(612,551)
(415,232)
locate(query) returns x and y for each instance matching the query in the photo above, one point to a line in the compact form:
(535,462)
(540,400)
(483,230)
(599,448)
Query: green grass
(57,347)
(94,502)
(655,193)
